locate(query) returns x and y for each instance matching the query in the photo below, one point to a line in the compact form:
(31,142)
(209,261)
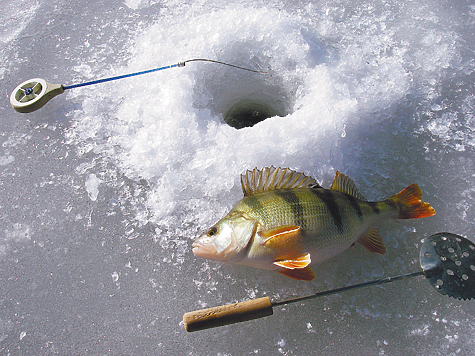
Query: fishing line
(180,64)
(34,93)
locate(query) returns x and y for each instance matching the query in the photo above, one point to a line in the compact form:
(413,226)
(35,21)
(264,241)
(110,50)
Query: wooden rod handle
(227,314)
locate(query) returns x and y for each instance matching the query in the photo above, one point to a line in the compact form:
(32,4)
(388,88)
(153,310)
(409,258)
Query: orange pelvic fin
(296,263)
(372,241)
(410,204)
(302,274)
(297,268)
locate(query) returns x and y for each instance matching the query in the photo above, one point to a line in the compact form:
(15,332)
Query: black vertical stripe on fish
(255,205)
(327,196)
(355,205)
(392,203)
(374,206)
(293,200)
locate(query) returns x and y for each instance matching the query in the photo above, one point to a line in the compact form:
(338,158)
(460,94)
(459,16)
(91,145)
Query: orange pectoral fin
(372,241)
(285,240)
(302,274)
(281,236)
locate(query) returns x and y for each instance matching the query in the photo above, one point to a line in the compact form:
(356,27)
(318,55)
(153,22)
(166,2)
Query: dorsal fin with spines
(272,178)
(344,184)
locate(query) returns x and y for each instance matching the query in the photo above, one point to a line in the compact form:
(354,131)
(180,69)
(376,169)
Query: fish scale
(287,221)
(307,208)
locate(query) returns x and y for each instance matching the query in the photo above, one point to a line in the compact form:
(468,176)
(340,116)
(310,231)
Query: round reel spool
(32,94)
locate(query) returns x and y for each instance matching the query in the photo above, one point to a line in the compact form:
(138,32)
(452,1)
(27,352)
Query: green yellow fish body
(286,222)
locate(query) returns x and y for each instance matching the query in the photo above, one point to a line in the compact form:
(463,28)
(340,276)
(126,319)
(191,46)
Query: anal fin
(373,241)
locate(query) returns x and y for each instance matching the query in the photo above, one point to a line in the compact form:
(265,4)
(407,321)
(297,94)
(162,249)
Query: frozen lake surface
(104,189)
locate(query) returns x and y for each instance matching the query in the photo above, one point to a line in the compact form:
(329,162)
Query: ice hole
(244,98)
(248,112)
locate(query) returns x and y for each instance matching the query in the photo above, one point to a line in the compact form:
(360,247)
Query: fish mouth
(206,250)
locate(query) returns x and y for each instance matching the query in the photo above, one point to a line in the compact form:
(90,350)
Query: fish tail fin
(410,205)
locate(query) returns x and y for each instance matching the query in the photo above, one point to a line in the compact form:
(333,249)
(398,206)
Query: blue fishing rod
(34,93)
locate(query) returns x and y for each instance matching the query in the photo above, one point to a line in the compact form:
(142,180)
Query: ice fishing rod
(34,93)
(447,261)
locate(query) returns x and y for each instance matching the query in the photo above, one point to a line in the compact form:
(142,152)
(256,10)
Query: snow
(104,188)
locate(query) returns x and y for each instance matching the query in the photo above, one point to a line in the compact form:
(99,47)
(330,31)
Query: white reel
(32,94)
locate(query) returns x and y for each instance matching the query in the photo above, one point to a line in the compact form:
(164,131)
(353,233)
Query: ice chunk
(7,159)
(92,186)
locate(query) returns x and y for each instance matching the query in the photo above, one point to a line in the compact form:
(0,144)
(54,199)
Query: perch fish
(287,221)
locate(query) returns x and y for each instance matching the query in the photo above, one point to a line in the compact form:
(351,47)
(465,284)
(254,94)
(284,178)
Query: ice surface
(104,189)
(12,23)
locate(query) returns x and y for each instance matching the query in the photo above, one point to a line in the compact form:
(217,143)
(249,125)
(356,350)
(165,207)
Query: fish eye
(213,231)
